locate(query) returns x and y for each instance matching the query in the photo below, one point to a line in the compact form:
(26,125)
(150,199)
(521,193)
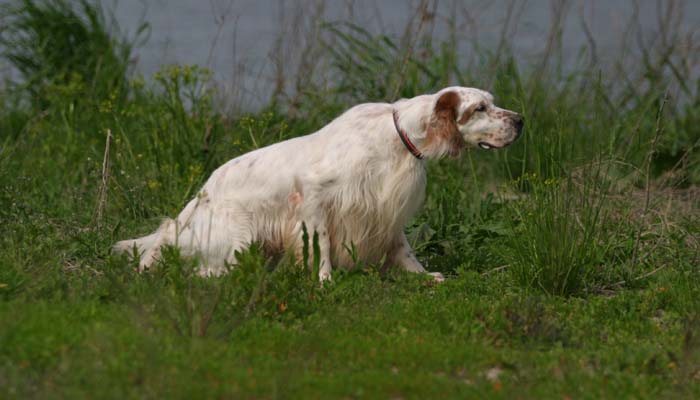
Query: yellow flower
(194,172)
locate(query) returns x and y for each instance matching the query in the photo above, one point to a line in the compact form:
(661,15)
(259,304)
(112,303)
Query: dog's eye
(481,108)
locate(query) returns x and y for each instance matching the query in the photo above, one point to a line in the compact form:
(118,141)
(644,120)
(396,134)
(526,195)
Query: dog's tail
(166,234)
(142,244)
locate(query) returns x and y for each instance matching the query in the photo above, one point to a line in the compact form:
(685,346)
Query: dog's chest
(375,207)
(402,193)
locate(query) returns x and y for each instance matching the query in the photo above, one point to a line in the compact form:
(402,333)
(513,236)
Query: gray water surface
(236,38)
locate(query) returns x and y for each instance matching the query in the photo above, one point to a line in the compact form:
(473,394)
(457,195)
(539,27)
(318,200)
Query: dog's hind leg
(163,236)
(403,255)
(220,241)
(214,234)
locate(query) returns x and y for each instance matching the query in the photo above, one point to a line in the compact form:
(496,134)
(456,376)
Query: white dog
(356,183)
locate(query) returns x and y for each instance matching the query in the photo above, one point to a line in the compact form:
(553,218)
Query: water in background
(237,39)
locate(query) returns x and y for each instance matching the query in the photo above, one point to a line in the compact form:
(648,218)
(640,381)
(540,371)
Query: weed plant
(58,45)
(557,239)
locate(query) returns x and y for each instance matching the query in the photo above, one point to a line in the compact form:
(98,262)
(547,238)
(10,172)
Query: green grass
(366,334)
(572,257)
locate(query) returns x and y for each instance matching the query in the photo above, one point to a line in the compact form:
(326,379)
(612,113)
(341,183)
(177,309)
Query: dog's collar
(404,138)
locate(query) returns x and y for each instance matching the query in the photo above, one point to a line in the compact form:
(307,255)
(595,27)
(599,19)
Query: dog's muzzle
(515,128)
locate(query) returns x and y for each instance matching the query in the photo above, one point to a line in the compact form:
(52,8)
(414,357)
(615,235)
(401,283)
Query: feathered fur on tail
(142,244)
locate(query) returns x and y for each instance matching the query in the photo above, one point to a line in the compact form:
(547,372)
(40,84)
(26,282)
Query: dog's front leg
(318,229)
(316,226)
(403,255)
(307,209)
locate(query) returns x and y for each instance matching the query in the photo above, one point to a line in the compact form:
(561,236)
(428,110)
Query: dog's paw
(438,277)
(324,276)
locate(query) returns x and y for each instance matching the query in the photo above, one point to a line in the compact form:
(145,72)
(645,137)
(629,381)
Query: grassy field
(572,257)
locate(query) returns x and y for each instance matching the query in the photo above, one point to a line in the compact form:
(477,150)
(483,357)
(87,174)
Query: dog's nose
(518,122)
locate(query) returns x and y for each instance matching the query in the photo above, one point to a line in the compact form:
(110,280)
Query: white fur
(352,182)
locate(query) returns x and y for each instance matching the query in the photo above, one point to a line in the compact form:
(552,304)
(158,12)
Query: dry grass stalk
(647,185)
(102,194)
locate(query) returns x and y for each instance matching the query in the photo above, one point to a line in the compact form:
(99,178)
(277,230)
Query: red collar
(404,138)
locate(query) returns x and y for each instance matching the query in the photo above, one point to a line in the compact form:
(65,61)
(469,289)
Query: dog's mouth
(488,146)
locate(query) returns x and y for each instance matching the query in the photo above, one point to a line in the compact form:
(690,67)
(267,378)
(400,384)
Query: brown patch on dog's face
(442,127)
(480,106)
(466,115)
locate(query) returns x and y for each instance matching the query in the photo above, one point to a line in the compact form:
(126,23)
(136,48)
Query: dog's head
(464,117)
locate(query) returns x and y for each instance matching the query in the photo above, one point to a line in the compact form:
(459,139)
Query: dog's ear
(446,105)
(443,123)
